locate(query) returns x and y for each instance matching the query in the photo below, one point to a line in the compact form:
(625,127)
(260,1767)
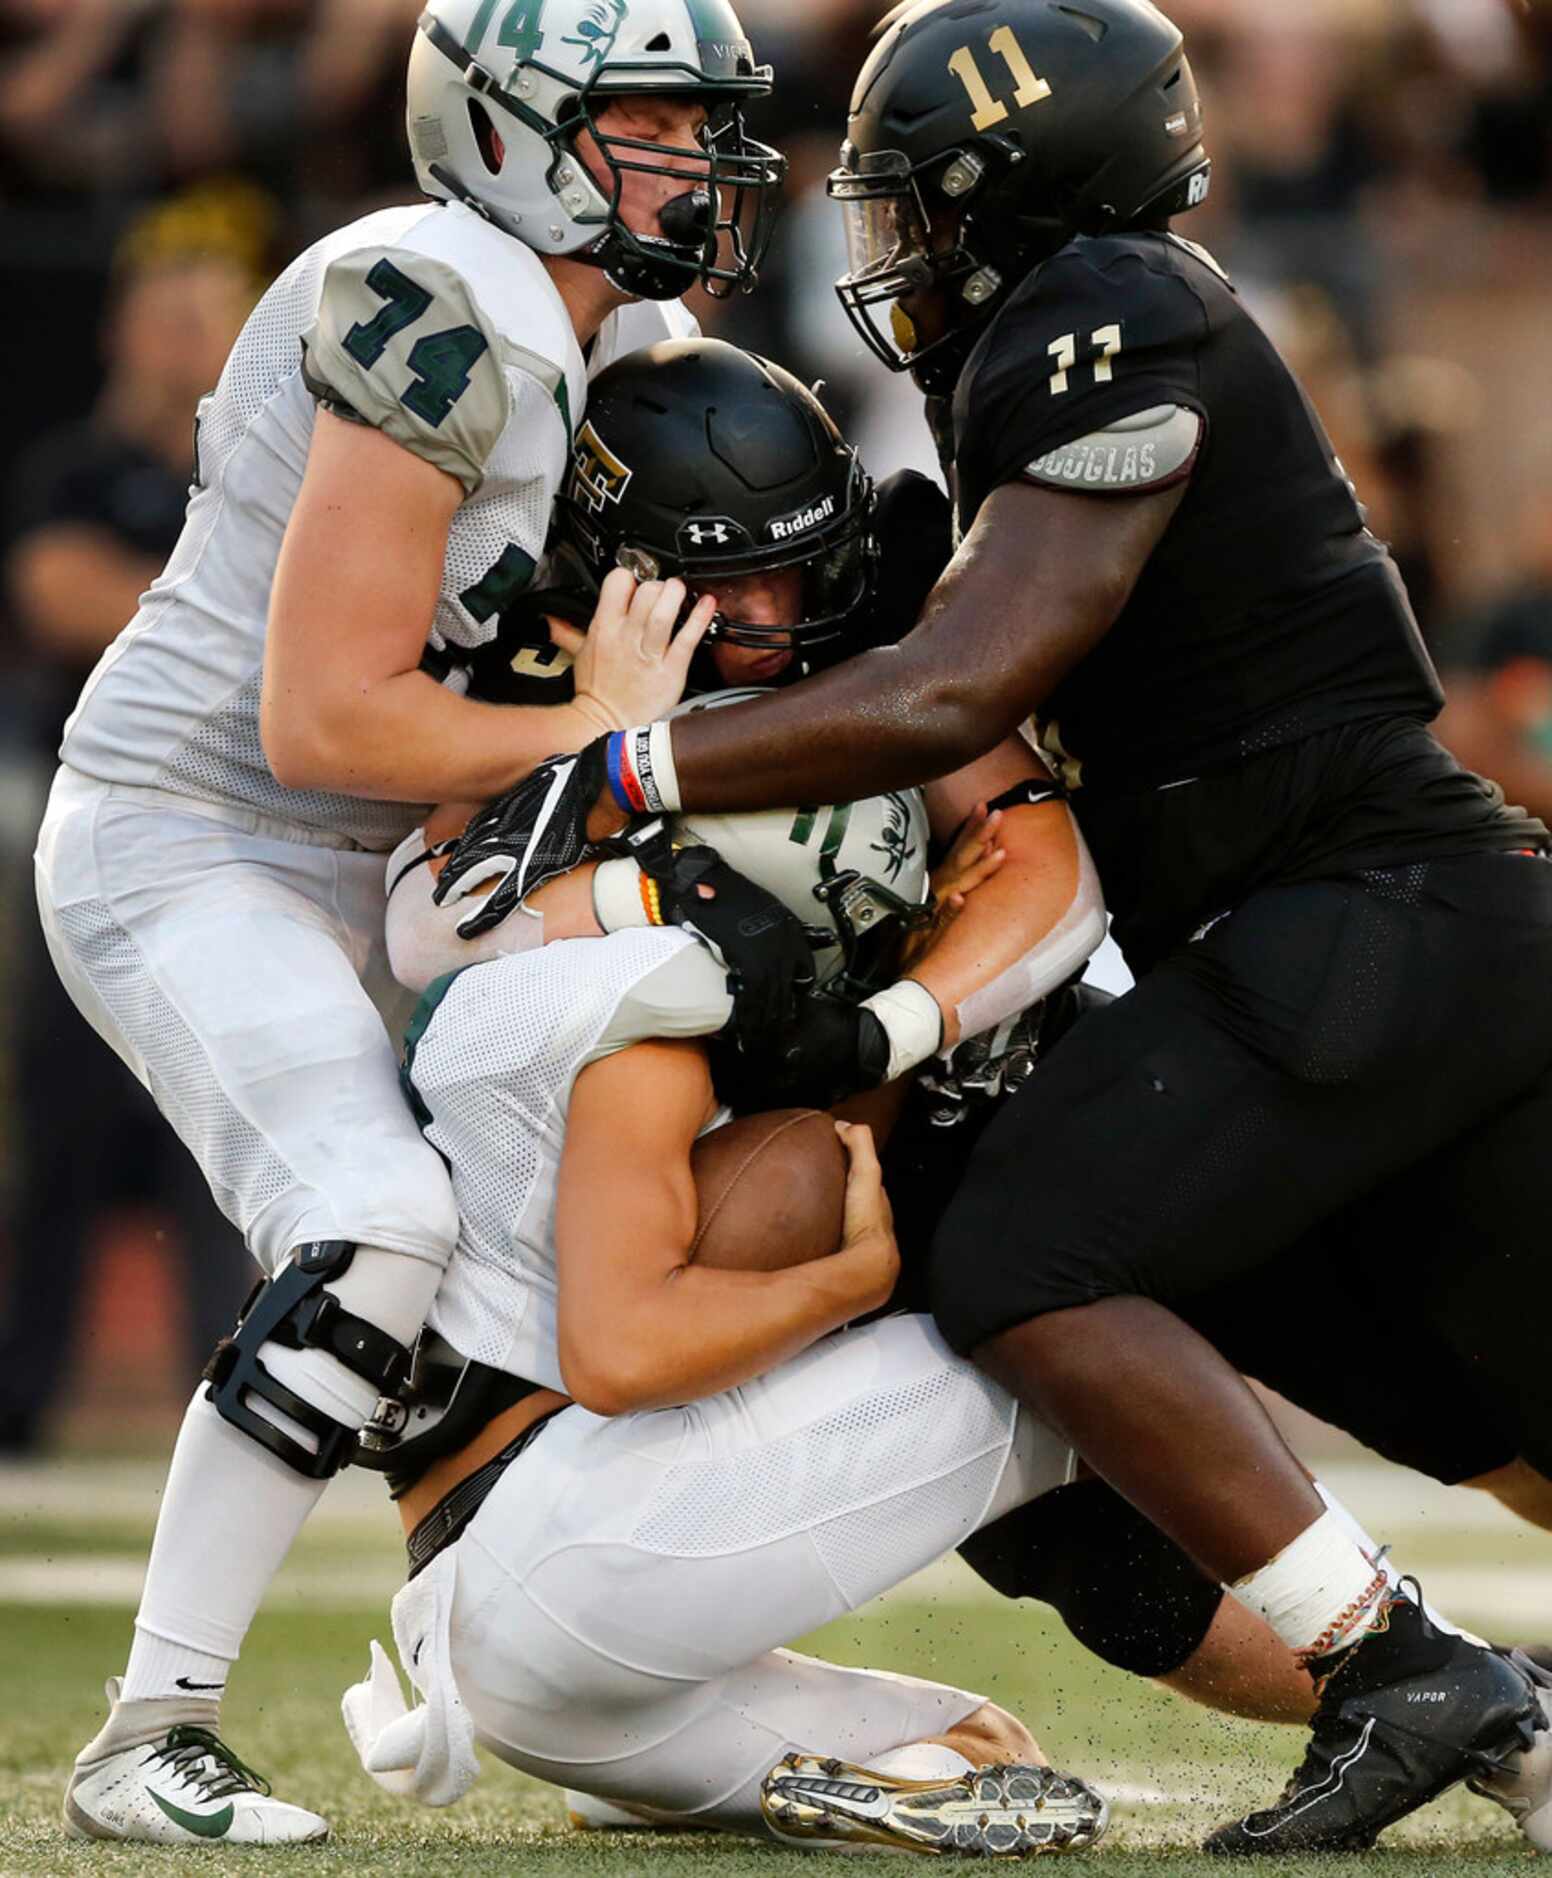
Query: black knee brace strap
(294,1310)
(1124,1591)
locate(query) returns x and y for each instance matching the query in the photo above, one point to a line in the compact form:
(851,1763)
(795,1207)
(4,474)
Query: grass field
(72,1538)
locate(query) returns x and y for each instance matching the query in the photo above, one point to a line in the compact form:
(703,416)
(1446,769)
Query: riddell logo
(786,526)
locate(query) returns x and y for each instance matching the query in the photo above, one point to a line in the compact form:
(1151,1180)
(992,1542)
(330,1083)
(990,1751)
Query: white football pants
(622,1592)
(238,967)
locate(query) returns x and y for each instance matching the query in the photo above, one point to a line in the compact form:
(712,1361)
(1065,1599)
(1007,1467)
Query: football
(771,1191)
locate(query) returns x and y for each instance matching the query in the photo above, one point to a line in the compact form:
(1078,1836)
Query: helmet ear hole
(487,140)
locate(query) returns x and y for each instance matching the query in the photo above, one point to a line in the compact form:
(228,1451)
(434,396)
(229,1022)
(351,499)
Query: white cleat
(1523,1788)
(994,1812)
(174,1784)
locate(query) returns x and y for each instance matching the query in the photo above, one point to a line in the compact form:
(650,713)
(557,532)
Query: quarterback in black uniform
(1342,940)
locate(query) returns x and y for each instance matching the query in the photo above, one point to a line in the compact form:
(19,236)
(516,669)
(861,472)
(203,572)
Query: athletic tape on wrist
(912,1023)
(618,899)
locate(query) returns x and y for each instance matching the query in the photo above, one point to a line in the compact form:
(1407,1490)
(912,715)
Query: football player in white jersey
(603,1577)
(375,472)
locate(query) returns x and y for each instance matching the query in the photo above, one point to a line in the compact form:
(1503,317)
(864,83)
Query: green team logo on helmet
(895,842)
(597,30)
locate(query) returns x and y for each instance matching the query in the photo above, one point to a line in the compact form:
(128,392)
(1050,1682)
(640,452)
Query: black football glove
(533,833)
(832,1051)
(770,966)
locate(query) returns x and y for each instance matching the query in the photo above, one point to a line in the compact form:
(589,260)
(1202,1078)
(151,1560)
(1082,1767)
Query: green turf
(283,1716)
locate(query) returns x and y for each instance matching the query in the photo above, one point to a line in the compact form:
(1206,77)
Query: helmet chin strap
(671,263)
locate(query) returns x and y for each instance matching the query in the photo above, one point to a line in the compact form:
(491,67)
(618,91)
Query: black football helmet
(700,460)
(983,135)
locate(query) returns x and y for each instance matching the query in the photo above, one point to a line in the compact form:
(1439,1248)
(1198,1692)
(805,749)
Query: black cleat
(1406,1712)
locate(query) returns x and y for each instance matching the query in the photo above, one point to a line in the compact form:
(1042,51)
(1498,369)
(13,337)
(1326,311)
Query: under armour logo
(702,532)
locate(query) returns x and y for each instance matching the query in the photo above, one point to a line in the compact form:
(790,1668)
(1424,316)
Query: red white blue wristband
(642,777)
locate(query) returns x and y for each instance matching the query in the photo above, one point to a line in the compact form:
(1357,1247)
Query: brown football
(771,1190)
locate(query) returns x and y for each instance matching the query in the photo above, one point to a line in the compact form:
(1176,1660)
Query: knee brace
(1124,1591)
(294,1310)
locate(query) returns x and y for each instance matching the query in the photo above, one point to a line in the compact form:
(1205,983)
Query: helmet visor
(890,254)
(888,244)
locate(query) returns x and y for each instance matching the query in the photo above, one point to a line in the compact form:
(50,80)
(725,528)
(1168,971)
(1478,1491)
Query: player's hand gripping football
(630,665)
(868,1231)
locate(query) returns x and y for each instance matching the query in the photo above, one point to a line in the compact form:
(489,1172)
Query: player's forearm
(1034,587)
(1022,932)
(884,720)
(409,739)
(423,938)
(698,1331)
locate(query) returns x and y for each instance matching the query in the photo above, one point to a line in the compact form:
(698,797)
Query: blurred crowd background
(1382,194)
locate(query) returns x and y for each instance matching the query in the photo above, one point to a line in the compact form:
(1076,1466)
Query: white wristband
(617,901)
(912,1023)
(664,774)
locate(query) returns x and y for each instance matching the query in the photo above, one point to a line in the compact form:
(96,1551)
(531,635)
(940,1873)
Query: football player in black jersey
(1342,940)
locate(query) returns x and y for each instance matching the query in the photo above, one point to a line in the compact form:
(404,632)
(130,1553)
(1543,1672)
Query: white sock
(229,1513)
(162,1671)
(231,1509)
(921,1760)
(1319,1593)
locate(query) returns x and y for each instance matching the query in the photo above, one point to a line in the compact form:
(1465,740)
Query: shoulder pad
(1207,260)
(683,993)
(511,283)
(1151,450)
(400,340)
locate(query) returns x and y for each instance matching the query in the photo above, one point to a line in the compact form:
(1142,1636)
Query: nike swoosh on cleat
(203,1825)
(182,1682)
(1335,1779)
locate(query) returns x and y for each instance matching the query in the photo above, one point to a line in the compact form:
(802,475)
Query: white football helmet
(498,90)
(854,873)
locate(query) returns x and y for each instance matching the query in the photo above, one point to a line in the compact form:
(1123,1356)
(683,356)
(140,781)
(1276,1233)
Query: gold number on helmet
(985,110)
(1030,89)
